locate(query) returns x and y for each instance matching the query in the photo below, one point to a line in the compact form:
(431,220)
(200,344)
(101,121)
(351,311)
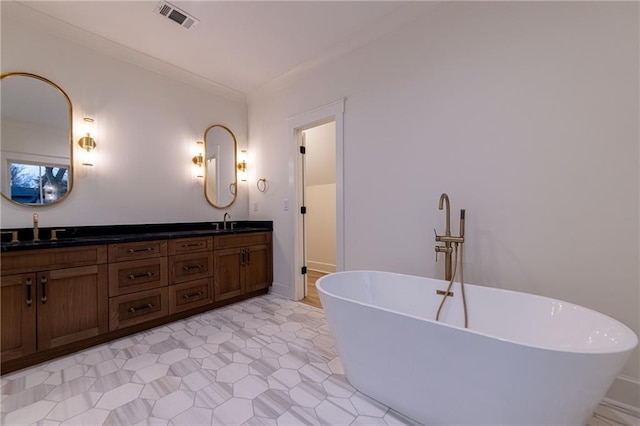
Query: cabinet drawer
(136,308)
(39,260)
(187,267)
(137,275)
(237,240)
(190,295)
(190,245)
(137,250)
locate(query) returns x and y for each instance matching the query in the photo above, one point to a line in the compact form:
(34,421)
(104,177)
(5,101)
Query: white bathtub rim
(633,341)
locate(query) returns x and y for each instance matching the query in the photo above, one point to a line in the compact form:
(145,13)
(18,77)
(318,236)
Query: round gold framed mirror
(37,144)
(220,170)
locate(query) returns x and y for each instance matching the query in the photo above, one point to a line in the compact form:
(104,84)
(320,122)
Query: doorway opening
(318,163)
(317,142)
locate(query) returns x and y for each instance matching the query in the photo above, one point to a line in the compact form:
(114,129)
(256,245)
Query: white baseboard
(327,268)
(625,391)
(282,290)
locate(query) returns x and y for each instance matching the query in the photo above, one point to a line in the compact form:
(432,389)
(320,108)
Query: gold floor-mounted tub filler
(452,246)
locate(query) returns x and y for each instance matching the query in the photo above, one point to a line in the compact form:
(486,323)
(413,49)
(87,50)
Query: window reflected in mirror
(38,184)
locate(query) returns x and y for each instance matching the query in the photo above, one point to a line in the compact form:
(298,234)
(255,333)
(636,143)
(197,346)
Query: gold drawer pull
(189,296)
(147,306)
(188,268)
(43,281)
(246,257)
(29,299)
(147,249)
(147,274)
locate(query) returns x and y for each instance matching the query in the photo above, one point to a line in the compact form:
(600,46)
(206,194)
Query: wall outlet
(255,207)
(285,205)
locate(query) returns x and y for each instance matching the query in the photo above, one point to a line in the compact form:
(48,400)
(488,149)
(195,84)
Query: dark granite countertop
(92,235)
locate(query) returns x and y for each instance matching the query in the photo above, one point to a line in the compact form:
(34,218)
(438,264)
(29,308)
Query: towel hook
(262,187)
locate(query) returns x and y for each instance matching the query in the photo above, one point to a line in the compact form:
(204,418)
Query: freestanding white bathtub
(524,360)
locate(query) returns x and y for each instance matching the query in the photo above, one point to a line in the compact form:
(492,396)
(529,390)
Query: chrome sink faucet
(224,220)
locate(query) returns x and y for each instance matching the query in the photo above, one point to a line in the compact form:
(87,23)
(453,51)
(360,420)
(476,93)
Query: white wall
(526,114)
(147,126)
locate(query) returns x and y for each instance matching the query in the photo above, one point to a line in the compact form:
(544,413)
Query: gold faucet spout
(444,201)
(447,249)
(36,232)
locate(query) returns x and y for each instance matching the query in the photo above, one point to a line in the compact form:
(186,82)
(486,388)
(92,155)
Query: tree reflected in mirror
(38,184)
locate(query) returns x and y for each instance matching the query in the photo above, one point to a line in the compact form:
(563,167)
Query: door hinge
(303,149)
(303,210)
(303,270)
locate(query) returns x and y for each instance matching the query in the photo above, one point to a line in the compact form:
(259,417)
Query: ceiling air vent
(178,16)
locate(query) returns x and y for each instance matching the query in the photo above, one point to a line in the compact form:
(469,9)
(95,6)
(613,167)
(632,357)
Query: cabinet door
(228,273)
(257,267)
(18,322)
(72,305)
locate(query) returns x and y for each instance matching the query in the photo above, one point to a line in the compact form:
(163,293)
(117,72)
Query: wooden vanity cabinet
(137,250)
(49,304)
(71,305)
(137,308)
(191,267)
(258,271)
(227,281)
(18,315)
(138,280)
(244,263)
(188,267)
(59,300)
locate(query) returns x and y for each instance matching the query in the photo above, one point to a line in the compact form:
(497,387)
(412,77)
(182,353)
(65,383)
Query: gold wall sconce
(198,160)
(242,165)
(87,143)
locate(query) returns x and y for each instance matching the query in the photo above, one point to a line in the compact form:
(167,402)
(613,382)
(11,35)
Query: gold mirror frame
(223,186)
(70,177)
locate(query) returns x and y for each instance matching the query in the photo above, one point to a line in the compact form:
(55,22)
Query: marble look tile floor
(264,361)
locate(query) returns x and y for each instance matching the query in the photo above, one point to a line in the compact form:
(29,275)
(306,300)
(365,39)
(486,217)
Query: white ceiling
(241,45)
